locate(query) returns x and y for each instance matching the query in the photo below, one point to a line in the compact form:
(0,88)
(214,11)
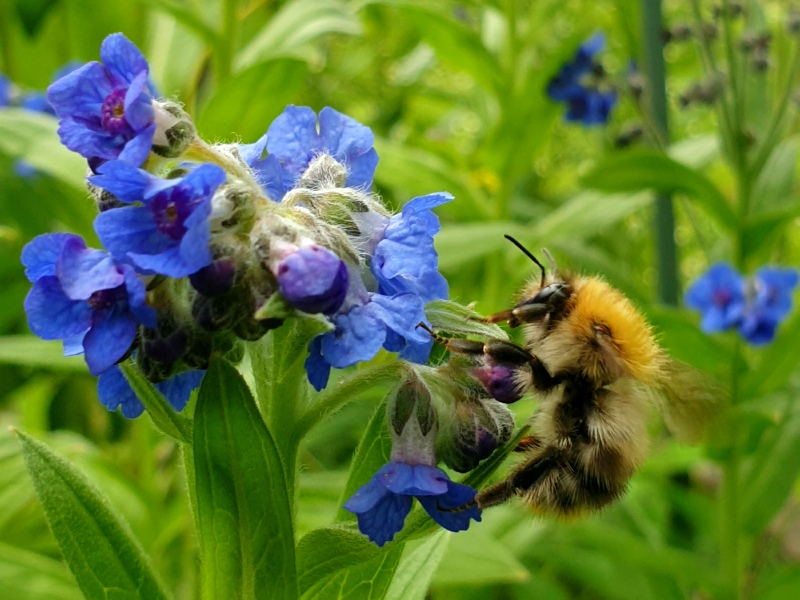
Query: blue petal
(358,337)
(88,142)
(413,480)
(402,314)
(137,298)
(122,58)
(137,149)
(292,138)
(757,330)
(52,315)
(125,181)
(109,339)
(385,519)
(417,352)
(317,368)
(40,254)
(130,229)
(114,391)
(138,105)
(179,388)
(367,496)
(83,271)
(447,509)
(81,93)
(350,142)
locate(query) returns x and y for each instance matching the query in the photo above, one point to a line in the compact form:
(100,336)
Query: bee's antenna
(528,253)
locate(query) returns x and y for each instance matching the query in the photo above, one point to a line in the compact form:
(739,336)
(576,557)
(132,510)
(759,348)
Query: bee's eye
(550,292)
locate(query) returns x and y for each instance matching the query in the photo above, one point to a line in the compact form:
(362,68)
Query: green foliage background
(454,92)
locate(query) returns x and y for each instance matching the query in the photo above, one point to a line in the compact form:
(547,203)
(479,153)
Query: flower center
(169,216)
(722,298)
(106,299)
(113,113)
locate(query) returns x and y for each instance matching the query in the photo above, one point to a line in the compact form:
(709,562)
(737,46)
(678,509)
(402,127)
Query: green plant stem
(666,249)
(226,42)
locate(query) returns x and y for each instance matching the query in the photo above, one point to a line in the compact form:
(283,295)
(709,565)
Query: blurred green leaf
(476,558)
(642,169)
(293,27)
(455,45)
(771,474)
(695,152)
(680,334)
(29,576)
(164,417)
(33,352)
(32,136)
(32,13)
(417,567)
(339,562)
(773,188)
(243,510)
(100,550)
(450,317)
(764,227)
(250,100)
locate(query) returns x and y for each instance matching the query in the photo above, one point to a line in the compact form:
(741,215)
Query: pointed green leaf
(31,351)
(417,566)
(339,562)
(640,169)
(243,510)
(164,417)
(101,552)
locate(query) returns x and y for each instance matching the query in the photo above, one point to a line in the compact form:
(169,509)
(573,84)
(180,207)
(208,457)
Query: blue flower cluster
(580,85)
(198,239)
(754,306)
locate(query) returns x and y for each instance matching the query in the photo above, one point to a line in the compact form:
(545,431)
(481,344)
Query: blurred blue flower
(312,279)
(381,506)
(114,391)
(106,110)
(169,232)
(770,304)
(296,136)
(85,298)
(5,91)
(576,85)
(719,295)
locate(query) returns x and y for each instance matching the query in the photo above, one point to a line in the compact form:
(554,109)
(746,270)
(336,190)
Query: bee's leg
(525,478)
(522,313)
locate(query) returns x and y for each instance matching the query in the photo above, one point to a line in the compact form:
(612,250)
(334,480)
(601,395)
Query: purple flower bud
(215,279)
(502,382)
(313,279)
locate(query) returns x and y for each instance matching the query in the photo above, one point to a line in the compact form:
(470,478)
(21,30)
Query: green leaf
(776,363)
(476,558)
(164,417)
(29,576)
(641,169)
(32,136)
(250,100)
(294,27)
(771,474)
(450,317)
(373,452)
(339,562)
(243,510)
(457,46)
(98,547)
(31,351)
(773,188)
(417,567)
(764,227)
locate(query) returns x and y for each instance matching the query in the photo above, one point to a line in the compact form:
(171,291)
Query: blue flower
(771,303)
(295,137)
(267,169)
(85,298)
(169,232)
(361,329)
(382,505)
(114,391)
(574,85)
(719,295)
(312,279)
(105,108)
(5,91)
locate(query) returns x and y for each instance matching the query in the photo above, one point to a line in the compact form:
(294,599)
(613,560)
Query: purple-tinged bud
(215,279)
(313,279)
(504,383)
(164,349)
(477,429)
(413,422)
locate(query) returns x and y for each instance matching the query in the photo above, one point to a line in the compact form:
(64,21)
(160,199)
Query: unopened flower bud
(477,429)
(166,349)
(413,422)
(311,278)
(323,172)
(174,129)
(215,279)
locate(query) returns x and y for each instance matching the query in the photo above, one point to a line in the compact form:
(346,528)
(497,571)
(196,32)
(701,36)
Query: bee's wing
(690,401)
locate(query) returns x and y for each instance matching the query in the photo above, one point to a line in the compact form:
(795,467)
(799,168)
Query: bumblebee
(595,363)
